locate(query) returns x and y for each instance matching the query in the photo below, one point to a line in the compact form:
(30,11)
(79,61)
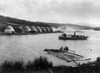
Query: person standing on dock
(61,49)
(66,49)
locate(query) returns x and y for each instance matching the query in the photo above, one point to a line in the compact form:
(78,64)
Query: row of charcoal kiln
(27,29)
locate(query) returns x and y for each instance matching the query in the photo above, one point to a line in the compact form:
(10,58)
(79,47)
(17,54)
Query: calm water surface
(27,47)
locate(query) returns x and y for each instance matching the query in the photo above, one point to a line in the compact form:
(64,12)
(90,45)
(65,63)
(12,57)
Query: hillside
(97,28)
(4,21)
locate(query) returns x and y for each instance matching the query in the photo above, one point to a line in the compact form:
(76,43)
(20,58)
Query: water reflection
(27,47)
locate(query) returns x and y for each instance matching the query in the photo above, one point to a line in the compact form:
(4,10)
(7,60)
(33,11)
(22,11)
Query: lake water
(27,47)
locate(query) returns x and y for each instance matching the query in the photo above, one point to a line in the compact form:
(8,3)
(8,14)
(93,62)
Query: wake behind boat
(72,37)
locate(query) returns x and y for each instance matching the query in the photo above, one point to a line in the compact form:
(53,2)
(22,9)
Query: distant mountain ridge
(97,28)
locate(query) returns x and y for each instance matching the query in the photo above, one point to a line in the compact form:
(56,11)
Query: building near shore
(48,29)
(18,29)
(9,29)
(51,29)
(33,29)
(21,29)
(39,28)
(27,29)
(44,29)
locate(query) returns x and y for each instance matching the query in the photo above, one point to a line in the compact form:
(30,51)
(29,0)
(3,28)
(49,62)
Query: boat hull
(70,38)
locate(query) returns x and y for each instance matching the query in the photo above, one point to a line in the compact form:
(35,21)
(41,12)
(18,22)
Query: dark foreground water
(27,47)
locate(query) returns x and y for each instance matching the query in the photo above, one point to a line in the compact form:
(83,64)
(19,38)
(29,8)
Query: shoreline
(2,33)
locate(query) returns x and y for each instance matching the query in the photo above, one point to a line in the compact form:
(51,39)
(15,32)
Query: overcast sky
(59,11)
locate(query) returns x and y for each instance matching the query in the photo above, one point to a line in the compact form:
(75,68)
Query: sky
(83,12)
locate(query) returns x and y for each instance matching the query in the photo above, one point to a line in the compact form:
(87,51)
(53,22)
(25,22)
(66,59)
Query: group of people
(65,49)
(64,34)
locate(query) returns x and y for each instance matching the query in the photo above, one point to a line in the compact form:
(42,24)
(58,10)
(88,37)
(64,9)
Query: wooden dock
(68,56)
